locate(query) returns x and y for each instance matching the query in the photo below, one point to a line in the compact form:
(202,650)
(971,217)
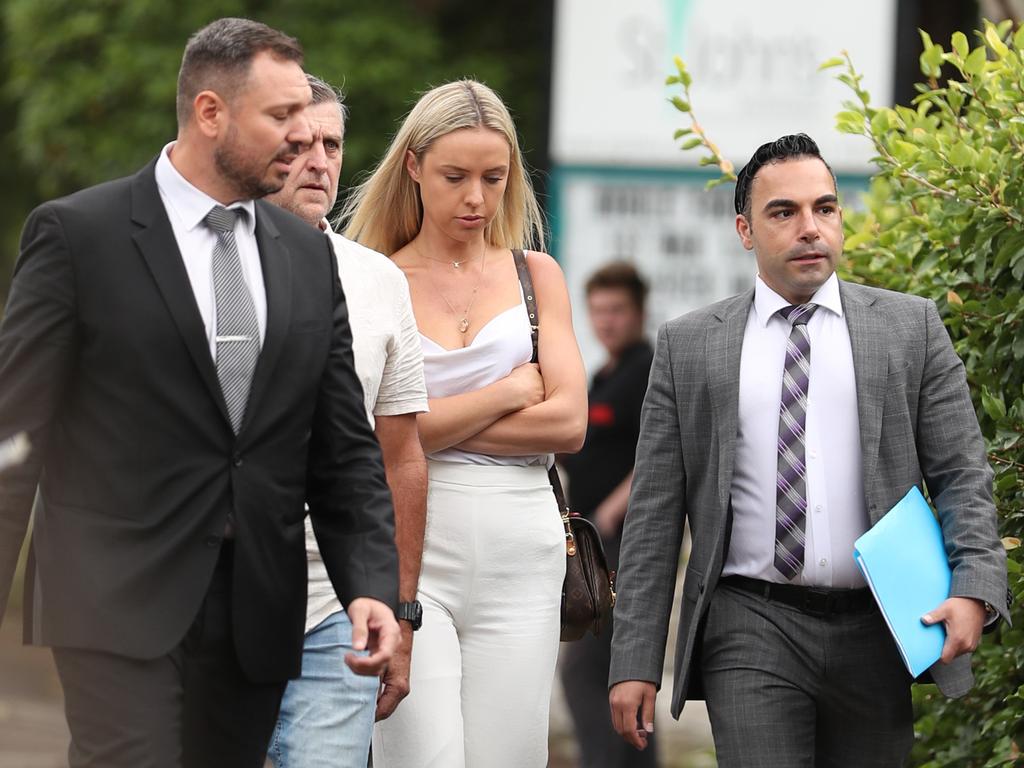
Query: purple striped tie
(790,480)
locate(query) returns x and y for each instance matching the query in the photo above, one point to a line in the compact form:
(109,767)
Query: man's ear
(209,111)
(743,229)
(412,165)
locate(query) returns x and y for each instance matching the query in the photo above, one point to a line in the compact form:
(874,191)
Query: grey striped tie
(238,332)
(791,477)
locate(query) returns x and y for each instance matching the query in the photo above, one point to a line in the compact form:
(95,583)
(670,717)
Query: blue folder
(903,559)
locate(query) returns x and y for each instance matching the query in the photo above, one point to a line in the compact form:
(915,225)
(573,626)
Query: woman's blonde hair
(385,212)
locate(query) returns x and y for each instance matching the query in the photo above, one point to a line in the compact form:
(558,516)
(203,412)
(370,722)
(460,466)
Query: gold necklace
(455,264)
(463,324)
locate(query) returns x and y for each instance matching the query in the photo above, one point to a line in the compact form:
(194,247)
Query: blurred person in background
(449,202)
(179,352)
(599,481)
(327,714)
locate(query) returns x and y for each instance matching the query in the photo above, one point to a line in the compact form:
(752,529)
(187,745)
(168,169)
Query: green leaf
(671,79)
(1018,270)
(835,61)
(696,141)
(682,132)
(881,122)
(680,104)
(962,155)
(717,182)
(1018,38)
(993,404)
(975,63)
(959,43)
(1011,250)
(1018,346)
(997,45)
(857,239)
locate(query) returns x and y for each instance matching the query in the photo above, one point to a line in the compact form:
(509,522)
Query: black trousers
(584,671)
(193,708)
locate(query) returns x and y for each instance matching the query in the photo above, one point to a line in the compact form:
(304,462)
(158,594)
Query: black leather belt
(815,601)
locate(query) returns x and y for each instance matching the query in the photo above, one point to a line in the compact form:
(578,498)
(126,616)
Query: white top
(836,510)
(389,364)
(500,346)
(186,208)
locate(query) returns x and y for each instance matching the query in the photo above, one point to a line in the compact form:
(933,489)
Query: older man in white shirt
(327,714)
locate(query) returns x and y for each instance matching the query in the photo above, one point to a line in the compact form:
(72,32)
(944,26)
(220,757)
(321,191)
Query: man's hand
(964,618)
(395,683)
(632,702)
(374,628)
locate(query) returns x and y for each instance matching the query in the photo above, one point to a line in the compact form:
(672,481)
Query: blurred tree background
(88,86)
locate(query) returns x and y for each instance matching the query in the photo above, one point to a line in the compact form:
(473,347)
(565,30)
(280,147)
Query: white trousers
(484,660)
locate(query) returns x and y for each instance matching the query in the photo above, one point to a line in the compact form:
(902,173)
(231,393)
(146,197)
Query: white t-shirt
(389,363)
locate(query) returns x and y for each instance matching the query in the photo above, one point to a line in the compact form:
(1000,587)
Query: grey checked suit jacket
(917,424)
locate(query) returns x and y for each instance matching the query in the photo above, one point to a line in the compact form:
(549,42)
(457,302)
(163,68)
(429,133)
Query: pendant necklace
(455,264)
(463,323)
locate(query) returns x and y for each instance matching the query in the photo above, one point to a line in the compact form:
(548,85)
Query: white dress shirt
(836,510)
(186,208)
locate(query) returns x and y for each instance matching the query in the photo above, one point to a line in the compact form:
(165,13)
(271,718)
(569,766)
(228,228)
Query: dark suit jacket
(105,362)
(917,425)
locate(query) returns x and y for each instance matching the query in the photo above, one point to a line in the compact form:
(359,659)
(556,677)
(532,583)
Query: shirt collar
(767,302)
(192,204)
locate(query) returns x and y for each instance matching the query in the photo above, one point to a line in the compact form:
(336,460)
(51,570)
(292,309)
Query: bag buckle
(570,537)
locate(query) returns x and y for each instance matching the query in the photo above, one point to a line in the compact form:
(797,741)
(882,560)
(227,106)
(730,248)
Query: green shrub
(945,219)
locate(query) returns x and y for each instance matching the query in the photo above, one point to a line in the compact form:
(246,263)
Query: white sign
(755,69)
(680,237)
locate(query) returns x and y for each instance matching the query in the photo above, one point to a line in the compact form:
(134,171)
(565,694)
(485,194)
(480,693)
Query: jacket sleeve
(37,353)
(953,460)
(653,532)
(349,500)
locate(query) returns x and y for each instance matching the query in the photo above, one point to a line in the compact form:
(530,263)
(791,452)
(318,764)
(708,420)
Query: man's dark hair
(780,150)
(218,57)
(619,275)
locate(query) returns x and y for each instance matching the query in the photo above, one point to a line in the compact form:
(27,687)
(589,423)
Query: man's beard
(239,168)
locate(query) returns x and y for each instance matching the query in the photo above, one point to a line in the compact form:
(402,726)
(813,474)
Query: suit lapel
(277,280)
(724,343)
(155,240)
(870,365)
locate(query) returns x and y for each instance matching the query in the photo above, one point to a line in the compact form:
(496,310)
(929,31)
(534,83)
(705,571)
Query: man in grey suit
(781,424)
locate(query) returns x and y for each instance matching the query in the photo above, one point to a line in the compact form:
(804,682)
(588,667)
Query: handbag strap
(526,281)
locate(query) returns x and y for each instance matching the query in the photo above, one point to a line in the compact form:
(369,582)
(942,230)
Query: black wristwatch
(411,612)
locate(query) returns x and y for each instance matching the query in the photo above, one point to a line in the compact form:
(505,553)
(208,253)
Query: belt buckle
(818,603)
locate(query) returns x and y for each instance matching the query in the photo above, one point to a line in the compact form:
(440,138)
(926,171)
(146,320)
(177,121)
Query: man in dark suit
(781,424)
(179,353)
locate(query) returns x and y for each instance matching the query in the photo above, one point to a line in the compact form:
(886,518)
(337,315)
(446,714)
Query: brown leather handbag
(588,591)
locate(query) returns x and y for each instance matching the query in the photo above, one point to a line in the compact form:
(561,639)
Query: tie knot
(222,220)
(798,314)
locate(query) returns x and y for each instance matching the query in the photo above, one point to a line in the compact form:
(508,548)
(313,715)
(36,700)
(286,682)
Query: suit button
(236,460)
(213,541)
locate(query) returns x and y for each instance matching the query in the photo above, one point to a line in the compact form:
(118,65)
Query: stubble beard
(238,168)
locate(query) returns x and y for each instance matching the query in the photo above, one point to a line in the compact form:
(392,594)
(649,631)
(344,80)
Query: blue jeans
(326,717)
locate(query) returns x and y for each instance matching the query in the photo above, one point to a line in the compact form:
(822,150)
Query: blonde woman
(449,202)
